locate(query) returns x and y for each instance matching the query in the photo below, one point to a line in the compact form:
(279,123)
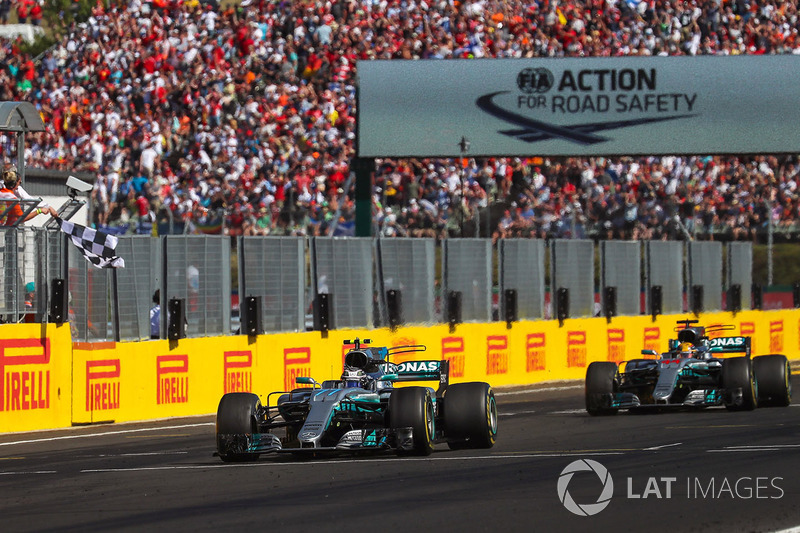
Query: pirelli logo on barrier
(576,349)
(296,363)
(28,388)
(103,385)
(403,357)
(713,333)
(172,377)
(798,334)
(616,345)
(237,367)
(748,329)
(453,351)
(496,354)
(775,336)
(652,339)
(535,354)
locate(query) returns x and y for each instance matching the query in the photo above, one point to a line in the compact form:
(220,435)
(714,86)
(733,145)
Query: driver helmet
(353,377)
(686,349)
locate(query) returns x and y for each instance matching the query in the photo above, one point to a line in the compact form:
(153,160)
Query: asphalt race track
(710,470)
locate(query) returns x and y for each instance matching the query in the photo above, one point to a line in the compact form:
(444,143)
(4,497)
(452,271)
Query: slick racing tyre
(237,416)
(470,415)
(413,407)
(737,373)
(774,380)
(600,385)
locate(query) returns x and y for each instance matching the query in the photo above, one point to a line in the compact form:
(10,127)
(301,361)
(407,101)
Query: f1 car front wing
(697,398)
(352,441)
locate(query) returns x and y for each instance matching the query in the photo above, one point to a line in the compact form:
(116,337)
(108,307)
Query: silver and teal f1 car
(360,412)
(693,373)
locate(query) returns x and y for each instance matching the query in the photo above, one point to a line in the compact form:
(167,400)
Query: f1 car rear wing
(424,371)
(430,370)
(729,345)
(370,358)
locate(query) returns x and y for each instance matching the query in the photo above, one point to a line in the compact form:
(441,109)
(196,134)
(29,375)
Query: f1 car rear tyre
(774,380)
(737,373)
(237,414)
(413,407)
(600,384)
(470,415)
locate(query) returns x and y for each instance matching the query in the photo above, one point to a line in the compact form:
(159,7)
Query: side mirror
(388,377)
(673,344)
(649,352)
(305,380)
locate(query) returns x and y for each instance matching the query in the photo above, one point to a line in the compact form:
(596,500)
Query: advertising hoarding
(579,106)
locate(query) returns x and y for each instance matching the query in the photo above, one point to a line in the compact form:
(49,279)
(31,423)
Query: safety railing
(216,285)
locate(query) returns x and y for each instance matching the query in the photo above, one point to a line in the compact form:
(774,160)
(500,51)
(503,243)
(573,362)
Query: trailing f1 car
(361,411)
(691,375)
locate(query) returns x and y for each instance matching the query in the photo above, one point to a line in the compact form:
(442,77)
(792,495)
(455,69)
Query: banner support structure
(364,170)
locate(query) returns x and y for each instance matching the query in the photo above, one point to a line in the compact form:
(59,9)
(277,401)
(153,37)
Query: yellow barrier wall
(36,365)
(48,382)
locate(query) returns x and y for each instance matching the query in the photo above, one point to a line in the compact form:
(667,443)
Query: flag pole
(115,304)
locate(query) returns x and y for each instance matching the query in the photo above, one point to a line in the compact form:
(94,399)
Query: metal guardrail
(14,212)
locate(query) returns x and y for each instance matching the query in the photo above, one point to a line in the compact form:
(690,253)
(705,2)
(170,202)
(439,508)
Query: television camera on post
(71,206)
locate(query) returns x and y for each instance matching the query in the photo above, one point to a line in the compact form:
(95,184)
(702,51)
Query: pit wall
(50,382)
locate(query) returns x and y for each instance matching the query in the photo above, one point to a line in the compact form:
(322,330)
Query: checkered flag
(97,247)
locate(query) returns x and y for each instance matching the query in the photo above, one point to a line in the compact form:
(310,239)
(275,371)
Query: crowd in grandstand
(240,118)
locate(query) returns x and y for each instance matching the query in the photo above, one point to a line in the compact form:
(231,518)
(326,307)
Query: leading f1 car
(362,411)
(693,373)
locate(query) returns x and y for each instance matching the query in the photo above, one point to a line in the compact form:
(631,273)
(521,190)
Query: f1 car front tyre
(237,416)
(413,407)
(774,380)
(600,385)
(737,373)
(470,415)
